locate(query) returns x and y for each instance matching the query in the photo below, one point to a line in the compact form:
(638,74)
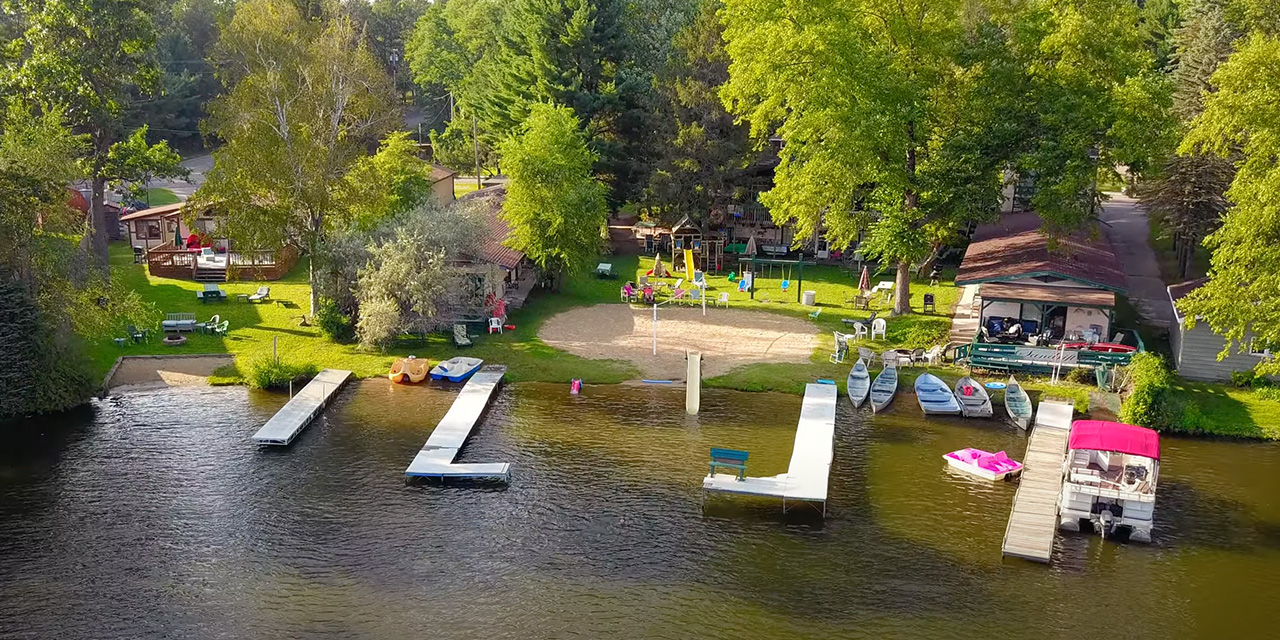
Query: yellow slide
(688,264)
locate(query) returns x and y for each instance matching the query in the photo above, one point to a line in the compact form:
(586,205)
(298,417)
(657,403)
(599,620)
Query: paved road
(1128,229)
(184,188)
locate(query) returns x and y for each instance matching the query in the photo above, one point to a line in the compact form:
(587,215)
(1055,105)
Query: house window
(1262,348)
(153,229)
(172,226)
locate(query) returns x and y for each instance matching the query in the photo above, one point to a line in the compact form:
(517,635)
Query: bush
(1153,401)
(923,334)
(1082,376)
(274,373)
(1244,379)
(334,323)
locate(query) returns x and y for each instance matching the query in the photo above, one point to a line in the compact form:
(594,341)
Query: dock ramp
(302,408)
(435,459)
(1034,519)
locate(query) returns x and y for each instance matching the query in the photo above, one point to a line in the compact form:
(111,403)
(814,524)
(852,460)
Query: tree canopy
(555,206)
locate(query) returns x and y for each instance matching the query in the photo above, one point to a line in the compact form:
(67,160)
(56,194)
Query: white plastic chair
(878,326)
(724,299)
(495,325)
(860,331)
(889,358)
(866,354)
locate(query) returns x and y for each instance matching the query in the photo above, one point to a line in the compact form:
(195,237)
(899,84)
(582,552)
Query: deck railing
(169,261)
(1022,357)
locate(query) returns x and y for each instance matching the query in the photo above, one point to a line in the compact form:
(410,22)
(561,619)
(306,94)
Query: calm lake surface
(151,515)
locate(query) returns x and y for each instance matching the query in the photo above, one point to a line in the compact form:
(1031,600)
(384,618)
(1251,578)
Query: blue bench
(729,459)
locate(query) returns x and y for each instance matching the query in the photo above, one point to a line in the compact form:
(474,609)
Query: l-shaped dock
(435,459)
(810,468)
(302,408)
(1033,522)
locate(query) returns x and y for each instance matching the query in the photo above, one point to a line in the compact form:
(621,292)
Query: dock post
(693,383)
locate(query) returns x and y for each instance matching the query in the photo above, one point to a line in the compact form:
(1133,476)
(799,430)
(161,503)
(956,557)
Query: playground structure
(703,253)
(749,267)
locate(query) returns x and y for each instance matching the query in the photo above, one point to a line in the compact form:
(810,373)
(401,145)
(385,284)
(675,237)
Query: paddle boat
(1017,403)
(1110,479)
(935,396)
(985,465)
(884,388)
(456,369)
(859,383)
(408,370)
(974,400)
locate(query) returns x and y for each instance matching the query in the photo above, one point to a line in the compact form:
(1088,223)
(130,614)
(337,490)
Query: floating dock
(807,475)
(435,460)
(302,408)
(1034,519)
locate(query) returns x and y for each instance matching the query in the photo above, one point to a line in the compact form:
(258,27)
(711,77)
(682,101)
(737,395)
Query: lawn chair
(677,295)
(879,326)
(644,281)
(210,326)
(723,299)
(933,355)
(866,354)
(139,255)
(929,305)
(860,331)
(495,325)
(261,294)
(842,347)
(916,356)
(817,312)
(695,297)
(136,334)
(460,338)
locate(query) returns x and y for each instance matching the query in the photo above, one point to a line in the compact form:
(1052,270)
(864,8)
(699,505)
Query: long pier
(1034,519)
(810,468)
(435,459)
(302,408)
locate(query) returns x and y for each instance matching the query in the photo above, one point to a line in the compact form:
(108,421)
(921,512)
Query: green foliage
(921,336)
(1082,376)
(1268,393)
(334,323)
(1241,301)
(1188,201)
(555,206)
(304,99)
(1201,44)
(276,373)
(386,184)
(131,162)
(1151,403)
(41,368)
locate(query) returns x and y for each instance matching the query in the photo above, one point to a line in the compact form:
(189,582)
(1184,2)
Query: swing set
(753,264)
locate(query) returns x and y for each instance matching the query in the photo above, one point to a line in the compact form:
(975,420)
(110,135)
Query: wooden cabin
(1195,350)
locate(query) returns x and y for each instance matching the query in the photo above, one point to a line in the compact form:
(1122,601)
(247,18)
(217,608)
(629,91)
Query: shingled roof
(497,230)
(1013,248)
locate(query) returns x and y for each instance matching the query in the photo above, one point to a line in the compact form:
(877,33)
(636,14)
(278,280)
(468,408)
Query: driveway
(199,165)
(1129,231)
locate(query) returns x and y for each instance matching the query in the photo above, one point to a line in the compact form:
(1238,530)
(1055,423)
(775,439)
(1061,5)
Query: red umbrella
(864,282)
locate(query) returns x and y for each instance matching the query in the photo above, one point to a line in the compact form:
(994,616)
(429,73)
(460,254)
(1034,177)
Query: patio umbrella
(658,270)
(750,250)
(864,282)
(177,237)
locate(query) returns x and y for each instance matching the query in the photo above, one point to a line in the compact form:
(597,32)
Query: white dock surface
(435,460)
(1033,522)
(302,408)
(807,475)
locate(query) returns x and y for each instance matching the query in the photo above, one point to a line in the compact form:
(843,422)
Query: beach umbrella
(751,247)
(658,270)
(864,282)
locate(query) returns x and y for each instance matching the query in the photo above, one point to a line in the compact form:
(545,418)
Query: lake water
(151,515)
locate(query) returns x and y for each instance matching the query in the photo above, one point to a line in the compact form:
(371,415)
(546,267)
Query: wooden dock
(1034,520)
(435,459)
(302,408)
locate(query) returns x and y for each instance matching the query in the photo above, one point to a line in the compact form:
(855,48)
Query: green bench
(729,459)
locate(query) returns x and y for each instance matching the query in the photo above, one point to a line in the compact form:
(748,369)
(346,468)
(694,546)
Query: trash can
(809,299)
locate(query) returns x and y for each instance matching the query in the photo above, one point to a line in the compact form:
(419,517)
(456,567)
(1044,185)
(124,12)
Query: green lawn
(158,197)
(1232,411)
(463,187)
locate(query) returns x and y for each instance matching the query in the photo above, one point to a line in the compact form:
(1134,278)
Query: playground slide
(688,264)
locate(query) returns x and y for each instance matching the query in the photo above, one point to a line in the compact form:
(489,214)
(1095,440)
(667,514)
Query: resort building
(1039,303)
(442,179)
(1195,351)
(511,276)
(173,245)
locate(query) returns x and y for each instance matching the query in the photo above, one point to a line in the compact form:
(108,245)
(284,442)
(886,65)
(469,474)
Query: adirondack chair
(136,334)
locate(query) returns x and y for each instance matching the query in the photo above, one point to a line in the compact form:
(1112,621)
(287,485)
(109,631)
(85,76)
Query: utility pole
(475,139)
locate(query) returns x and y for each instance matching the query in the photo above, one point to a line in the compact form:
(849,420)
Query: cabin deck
(1034,519)
(302,408)
(435,459)
(807,474)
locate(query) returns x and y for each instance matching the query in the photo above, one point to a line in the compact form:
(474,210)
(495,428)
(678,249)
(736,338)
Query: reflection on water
(152,515)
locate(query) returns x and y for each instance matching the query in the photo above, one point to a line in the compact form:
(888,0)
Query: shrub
(334,323)
(1082,376)
(922,334)
(1244,379)
(1151,401)
(274,373)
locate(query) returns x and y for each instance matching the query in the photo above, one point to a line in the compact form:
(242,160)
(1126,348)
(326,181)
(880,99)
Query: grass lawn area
(253,327)
(1232,411)
(463,187)
(159,197)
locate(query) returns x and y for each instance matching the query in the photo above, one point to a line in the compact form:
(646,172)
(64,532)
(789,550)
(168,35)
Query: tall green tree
(88,59)
(555,205)
(1241,301)
(304,101)
(704,153)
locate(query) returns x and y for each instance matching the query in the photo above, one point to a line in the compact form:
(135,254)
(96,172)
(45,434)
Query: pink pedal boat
(986,465)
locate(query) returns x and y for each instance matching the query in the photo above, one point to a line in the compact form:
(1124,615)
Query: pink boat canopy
(1097,435)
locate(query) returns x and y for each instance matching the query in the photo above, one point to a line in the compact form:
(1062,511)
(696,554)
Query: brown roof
(1013,248)
(162,211)
(1182,290)
(1036,293)
(497,230)
(439,173)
